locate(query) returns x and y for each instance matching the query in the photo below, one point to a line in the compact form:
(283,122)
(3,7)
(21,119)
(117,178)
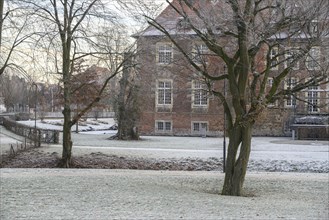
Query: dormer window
(314,27)
(183,24)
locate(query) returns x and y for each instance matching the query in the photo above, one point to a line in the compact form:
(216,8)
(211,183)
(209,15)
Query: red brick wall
(182,113)
(273,121)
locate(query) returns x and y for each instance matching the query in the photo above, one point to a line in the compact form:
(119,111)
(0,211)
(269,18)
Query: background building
(176,100)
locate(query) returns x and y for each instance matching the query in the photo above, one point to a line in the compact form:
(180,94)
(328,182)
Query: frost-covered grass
(84,125)
(136,194)
(268,153)
(94,136)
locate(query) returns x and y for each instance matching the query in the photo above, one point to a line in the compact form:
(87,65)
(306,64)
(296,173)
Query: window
(163,126)
(164,92)
(199,52)
(292,58)
(290,83)
(270,81)
(313,59)
(274,58)
(165,53)
(199,127)
(327,94)
(200,96)
(314,27)
(183,24)
(312,99)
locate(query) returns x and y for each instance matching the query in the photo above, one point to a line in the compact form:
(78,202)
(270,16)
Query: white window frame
(165,53)
(165,89)
(214,2)
(291,52)
(327,94)
(201,127)
(291,100)
(164,127)
(274,54)
(313,99)
(199,52)
(270,81)
(183,23)
(199,89)
(314,27)
(313,59)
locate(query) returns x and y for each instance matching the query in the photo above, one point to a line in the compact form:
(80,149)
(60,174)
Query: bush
(22,116)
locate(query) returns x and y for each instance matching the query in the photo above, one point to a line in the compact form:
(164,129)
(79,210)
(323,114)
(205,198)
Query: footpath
(8,139)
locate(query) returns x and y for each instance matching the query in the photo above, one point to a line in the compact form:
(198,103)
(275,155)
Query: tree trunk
(1,22)
(240,139)
(127,110)
(127,129)
(67,140)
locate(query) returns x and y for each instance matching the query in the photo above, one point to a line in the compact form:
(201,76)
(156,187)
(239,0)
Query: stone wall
(273,122)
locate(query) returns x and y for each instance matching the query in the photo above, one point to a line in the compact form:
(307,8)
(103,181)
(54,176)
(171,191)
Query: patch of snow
(57,124)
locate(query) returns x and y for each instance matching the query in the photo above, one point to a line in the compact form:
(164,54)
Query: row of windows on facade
(167,126)
(312,95)
(164,93)
(200,94)
(291,58)
(165,56)
(165,53)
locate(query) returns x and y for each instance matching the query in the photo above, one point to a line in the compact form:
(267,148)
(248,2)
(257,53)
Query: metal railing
(37,135)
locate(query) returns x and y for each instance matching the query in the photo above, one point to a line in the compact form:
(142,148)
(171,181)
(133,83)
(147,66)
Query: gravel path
(127,194)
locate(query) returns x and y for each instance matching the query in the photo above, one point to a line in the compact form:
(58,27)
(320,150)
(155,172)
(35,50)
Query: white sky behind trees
(34,61)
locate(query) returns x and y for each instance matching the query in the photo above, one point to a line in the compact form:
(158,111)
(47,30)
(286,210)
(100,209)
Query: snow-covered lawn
(137,194)
(88,125)
(268,153)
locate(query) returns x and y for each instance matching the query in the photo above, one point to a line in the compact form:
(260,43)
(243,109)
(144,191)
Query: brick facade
(168,90)
(181,112)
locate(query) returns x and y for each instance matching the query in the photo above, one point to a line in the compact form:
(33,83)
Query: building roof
(173,22)
(313,120)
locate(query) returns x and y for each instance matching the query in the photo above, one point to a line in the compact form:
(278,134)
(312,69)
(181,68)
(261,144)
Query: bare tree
(251,38)
(15,31)
(15,91)
(70,32)
(127,109)
(1,17)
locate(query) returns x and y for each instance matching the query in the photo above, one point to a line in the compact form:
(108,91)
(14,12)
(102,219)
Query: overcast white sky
(132,25)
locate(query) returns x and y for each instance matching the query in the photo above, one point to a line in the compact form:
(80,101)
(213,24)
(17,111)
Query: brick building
(175,97)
